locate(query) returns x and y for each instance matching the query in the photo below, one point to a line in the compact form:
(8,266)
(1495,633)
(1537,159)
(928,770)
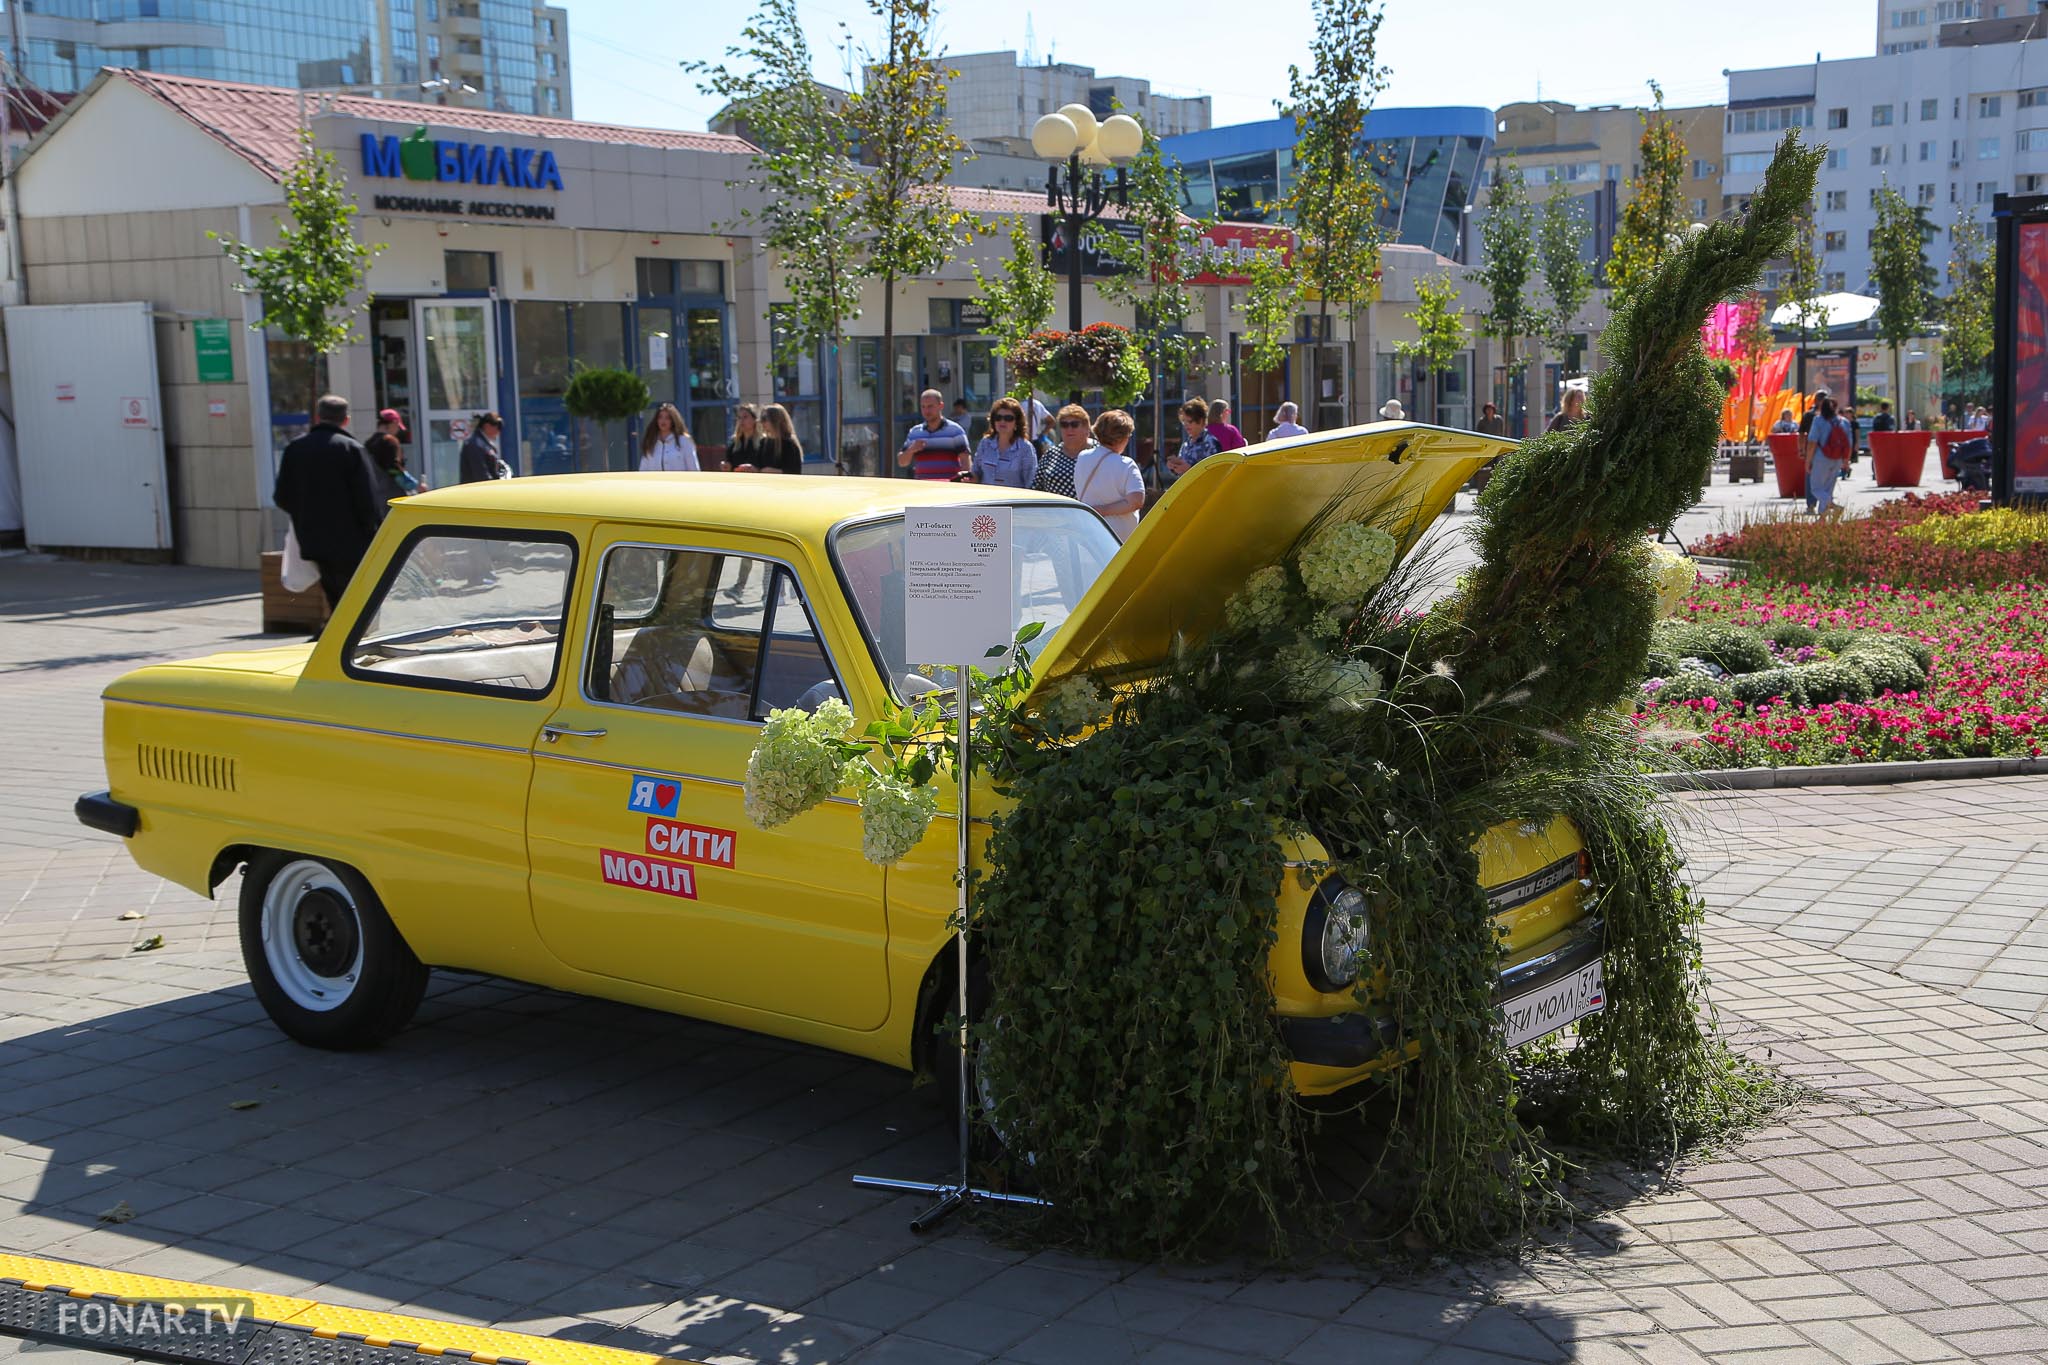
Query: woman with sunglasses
(1006,455)
(1056,467)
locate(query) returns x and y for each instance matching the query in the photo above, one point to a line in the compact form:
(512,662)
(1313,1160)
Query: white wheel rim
(288,919)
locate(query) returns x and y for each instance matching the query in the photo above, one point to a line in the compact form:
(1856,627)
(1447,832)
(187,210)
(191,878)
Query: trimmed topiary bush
(1837,640)
(1834,680)
(1732,647)
(1771,684)
(1663,662)
(1686,685)
(1792,635)
(1887,667)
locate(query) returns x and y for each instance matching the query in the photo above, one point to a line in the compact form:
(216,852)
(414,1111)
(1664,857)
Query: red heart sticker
(665,794)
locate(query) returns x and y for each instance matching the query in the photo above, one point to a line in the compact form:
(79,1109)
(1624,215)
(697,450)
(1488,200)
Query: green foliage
(312,282)
(1805,284)
(1269,303)
(1157,265)
(1508,239)
(605,396)
(1888,663)
(1730,647)
(1101,355)
(1653,222)
(1786,634)
(1440,330)
(1334,201)
(1662,661)
(804,177)
(1899,272)
(1836,680)
(1771,684)
(1567,279)
(1019,299)
(1966,313)
(1686,685)
(900,207)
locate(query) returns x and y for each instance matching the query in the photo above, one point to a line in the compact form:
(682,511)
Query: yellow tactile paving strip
(483,1345)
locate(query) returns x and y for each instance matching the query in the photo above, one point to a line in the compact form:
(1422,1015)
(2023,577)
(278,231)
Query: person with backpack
(1828,448)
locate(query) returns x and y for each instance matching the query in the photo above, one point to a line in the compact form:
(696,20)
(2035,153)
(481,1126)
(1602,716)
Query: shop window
(1838,118)
(470,272)
(660,278)
(469,613)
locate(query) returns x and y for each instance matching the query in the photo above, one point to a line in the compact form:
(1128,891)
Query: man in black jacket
(325,484)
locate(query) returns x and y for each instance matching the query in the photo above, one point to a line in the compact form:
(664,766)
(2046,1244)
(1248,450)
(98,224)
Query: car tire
(329,966)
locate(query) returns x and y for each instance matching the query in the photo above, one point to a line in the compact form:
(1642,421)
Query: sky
(624,53)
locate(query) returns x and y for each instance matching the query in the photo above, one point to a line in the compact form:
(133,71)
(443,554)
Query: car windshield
(1061,551)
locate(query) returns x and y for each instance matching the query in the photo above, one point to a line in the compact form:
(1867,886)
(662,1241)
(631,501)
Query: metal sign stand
(956,1194)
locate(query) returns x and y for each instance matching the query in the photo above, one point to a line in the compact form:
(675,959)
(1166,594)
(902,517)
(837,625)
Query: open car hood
(1240,511)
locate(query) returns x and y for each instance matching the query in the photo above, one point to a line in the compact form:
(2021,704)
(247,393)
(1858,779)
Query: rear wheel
(329,966)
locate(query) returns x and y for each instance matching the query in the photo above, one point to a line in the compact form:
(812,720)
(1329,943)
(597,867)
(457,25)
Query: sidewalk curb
(1848,774)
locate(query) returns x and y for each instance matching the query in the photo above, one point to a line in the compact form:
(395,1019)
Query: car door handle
(551,733)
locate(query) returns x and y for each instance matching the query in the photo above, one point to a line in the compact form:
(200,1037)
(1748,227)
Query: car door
(644,865)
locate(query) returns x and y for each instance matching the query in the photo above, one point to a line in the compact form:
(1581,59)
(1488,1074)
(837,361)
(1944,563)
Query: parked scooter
(1971,461)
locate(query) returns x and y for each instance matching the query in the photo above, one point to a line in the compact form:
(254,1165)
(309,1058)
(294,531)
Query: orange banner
(1758,397)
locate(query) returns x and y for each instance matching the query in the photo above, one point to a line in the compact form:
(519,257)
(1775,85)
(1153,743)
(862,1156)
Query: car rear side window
(705,633)
(468,611)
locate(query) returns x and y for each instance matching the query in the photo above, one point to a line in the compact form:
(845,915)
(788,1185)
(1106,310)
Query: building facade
(996,98)
(511,55)
(1594,154)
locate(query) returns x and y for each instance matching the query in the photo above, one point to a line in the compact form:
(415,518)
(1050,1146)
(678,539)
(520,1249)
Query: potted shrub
(605,396)
(1101,356)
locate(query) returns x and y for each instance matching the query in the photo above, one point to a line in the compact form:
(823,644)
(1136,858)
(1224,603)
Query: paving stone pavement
(598,1173)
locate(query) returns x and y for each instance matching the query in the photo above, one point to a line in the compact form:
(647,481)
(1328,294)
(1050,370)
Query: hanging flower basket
(1100,356)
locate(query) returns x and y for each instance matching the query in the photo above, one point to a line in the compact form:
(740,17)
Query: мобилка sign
(418,157)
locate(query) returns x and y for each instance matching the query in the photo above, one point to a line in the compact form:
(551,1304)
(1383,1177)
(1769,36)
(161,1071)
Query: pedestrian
(1227,436)
(743,452)
(975,426)
(1784,426)
(1980,420)
(389,423)
(666,446)
(480,460)
(1287,426)
(1006,455)
(326,485)
(1048,437)
(1912,420)
(781,451)
(1491,423)
(935,448)
(387,460)
(1107,479)
(1056,469)
(1805,425)
(1827,455)
(1570,412)
(1196,442)
(1391,411)
(1884,420)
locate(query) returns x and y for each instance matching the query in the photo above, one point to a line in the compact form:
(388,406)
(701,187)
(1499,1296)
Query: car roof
(800,505)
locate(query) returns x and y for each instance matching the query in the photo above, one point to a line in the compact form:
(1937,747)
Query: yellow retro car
(518,749)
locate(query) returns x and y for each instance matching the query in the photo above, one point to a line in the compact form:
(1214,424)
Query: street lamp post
(1073,136)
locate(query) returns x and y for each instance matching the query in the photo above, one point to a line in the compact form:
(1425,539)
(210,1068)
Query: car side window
(723,635)
(468,611)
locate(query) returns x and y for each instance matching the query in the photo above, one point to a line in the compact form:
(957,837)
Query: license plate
(1531,1016)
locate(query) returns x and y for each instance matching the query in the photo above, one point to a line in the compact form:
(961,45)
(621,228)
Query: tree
(605,396)
(899,120)
(1019,297)
(311,282)
(1966,314)
(1804,286)
(1899,273)
(1269,303)
(804,179)
(1154,269)
(1754,343)
(1335,201)
(1655,213)
(1509,243)
(1567,279)
(1440,329)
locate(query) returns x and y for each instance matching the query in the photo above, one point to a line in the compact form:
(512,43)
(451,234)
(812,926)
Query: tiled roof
(973,199)
(260,122)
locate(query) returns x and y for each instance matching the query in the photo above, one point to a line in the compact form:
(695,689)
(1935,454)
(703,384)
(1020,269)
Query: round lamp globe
(1120,137)
(1054,137)
(1083,119)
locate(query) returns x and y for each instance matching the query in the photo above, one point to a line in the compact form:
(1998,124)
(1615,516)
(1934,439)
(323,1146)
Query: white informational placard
(958,596)
(657,352)
(135,412)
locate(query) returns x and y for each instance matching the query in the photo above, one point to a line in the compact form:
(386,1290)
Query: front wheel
(329,966)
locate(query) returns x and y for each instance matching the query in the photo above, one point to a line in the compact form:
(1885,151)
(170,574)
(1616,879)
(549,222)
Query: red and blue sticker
(653,795)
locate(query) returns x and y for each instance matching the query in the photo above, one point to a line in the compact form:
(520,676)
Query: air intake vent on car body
(187,766)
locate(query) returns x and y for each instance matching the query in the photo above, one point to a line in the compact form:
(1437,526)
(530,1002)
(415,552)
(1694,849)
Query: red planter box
(1791,470)
(1946,439)
(1899,458)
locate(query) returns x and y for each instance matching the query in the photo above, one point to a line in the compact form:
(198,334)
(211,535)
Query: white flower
(1346,561)
(794,765)
(1675,575)
(1073,703)
(1309,672)
(1262,601)
(893,818)
(1328,625)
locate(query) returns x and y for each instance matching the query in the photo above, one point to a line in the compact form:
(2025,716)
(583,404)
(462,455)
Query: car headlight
(1334,937)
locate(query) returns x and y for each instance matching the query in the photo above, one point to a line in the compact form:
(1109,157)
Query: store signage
(1226,251)
(418,157)
(1095,259)
(2027,444)
(213,351)
(958,599)
(135,412)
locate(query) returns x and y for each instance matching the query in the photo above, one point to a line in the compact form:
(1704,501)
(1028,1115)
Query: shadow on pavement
(44,588)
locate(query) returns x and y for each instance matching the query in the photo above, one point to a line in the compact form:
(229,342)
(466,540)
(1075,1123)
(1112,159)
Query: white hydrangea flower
(794,766)
(893,818)
(1346,561)
(1353,683)
(1262,601)
(1676,576)
(1073,703)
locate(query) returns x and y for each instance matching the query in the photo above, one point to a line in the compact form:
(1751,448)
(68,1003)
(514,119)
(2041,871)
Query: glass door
(655,324)
(712,392)
(459,369)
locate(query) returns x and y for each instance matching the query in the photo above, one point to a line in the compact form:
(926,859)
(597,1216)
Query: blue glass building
(1428,162)
(491,45)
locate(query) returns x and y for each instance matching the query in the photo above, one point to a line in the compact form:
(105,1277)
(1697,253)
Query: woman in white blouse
(666,444)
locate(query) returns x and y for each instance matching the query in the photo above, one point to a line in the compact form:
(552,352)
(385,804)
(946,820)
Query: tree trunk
(885,377)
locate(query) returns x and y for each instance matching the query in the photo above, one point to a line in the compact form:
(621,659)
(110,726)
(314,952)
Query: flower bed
(1986,694)
(1881,547)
